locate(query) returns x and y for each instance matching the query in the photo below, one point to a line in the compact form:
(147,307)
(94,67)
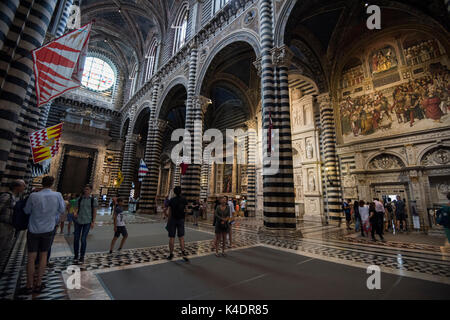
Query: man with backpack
(443,218)
(84,221)
(44,208)
(8,201)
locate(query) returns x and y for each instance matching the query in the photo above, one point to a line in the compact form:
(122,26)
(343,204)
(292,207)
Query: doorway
(76,170)
(384,192)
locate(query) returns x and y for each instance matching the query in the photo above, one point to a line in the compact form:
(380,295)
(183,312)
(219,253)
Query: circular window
(97,74)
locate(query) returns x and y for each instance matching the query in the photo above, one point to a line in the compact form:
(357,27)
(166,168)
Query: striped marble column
(7,12)
(205,174)
(16,76)
(251,166)
(330,160)
(128,165)
(153,151)
(190,181)
(278,188)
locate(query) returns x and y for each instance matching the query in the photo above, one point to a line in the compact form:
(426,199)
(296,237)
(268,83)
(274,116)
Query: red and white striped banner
(58,66)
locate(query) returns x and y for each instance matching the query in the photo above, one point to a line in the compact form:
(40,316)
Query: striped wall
(331,164)
(251,166)
(190,182)
(278,189)
(26,33)
(7,11)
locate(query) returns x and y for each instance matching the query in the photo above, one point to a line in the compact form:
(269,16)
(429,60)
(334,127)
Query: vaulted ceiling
(124,28)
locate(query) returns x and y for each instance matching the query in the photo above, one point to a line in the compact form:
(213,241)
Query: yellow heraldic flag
(45,143)
(119,178)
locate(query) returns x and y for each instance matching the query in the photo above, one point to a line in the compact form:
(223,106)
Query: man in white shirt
(44,208)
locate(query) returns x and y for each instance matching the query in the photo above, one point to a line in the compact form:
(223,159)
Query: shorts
(348,216)
(175,227)
(121,230)
(196,213)
(400,216)
(70,217)
(39,242)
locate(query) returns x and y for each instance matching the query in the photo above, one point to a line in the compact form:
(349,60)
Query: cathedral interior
(359,113)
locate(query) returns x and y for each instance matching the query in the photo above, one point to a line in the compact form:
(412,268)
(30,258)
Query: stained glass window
(97,74)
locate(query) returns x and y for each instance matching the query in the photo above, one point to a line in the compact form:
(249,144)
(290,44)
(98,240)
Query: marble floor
(415,259)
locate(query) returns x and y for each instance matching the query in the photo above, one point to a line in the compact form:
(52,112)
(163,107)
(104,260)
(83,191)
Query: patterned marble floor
(331,243)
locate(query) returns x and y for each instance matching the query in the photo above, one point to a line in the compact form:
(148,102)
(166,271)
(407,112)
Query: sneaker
(81,261)
(50,264)
(119,249)
(170,256)
(110,251)
(75,260)
(185,258)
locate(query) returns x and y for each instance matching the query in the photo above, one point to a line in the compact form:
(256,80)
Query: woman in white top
(364,213)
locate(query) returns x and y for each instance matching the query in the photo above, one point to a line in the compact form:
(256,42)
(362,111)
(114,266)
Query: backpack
(20,219)
(442,216)
(92,203)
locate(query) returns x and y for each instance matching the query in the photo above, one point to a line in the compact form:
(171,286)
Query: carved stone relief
(385,161)
(439,156)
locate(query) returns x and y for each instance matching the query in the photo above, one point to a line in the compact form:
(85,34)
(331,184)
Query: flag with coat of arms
(45,143)
(142,170)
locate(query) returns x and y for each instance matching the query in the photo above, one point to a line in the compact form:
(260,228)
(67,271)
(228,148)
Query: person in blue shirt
(44,208)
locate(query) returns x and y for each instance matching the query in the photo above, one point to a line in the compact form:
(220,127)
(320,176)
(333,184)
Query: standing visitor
(119,226)
(44,208)
(389,211)
(175,223)
(63,217)
(373,217)
(379,208)
(400,214)
(231,205)
(244,207)
(166,206)
(7,202)
(364,214)
(203,209)
(347,211)
(84,221)
(71,214)
(355,209)
(443,218)
(222,214)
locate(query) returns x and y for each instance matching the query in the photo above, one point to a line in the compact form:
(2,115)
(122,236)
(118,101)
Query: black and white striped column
(190,181)
(278,188)
(128,165)
(332,180)
(153,161)
(26,33)
(251,166)
(8,10)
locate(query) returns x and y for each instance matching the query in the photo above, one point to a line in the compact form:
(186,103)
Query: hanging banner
(45,143)
(142,170)
(58,65)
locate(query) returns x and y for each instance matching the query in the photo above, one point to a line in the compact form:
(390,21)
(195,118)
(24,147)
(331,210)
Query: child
(119,226)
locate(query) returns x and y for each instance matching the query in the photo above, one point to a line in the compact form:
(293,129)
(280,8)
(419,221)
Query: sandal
(38,289)
(217,255)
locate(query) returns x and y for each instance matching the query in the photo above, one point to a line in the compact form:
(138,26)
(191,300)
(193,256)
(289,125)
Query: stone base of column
(312,218)
(284,233)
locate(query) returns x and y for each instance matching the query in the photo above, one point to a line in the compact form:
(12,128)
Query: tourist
(374,222)
(64,216)
(347,211)
(364,214)
(203,208)
(195,212)
(7,202)
(400,214)
(166,206)
(389,211)
(443,218)
(44,208)
(379,208)
(231,205)
(119,226)
(72,208)
(84,221)
(355,213)
(244,206)
(175,222)
(222,214)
